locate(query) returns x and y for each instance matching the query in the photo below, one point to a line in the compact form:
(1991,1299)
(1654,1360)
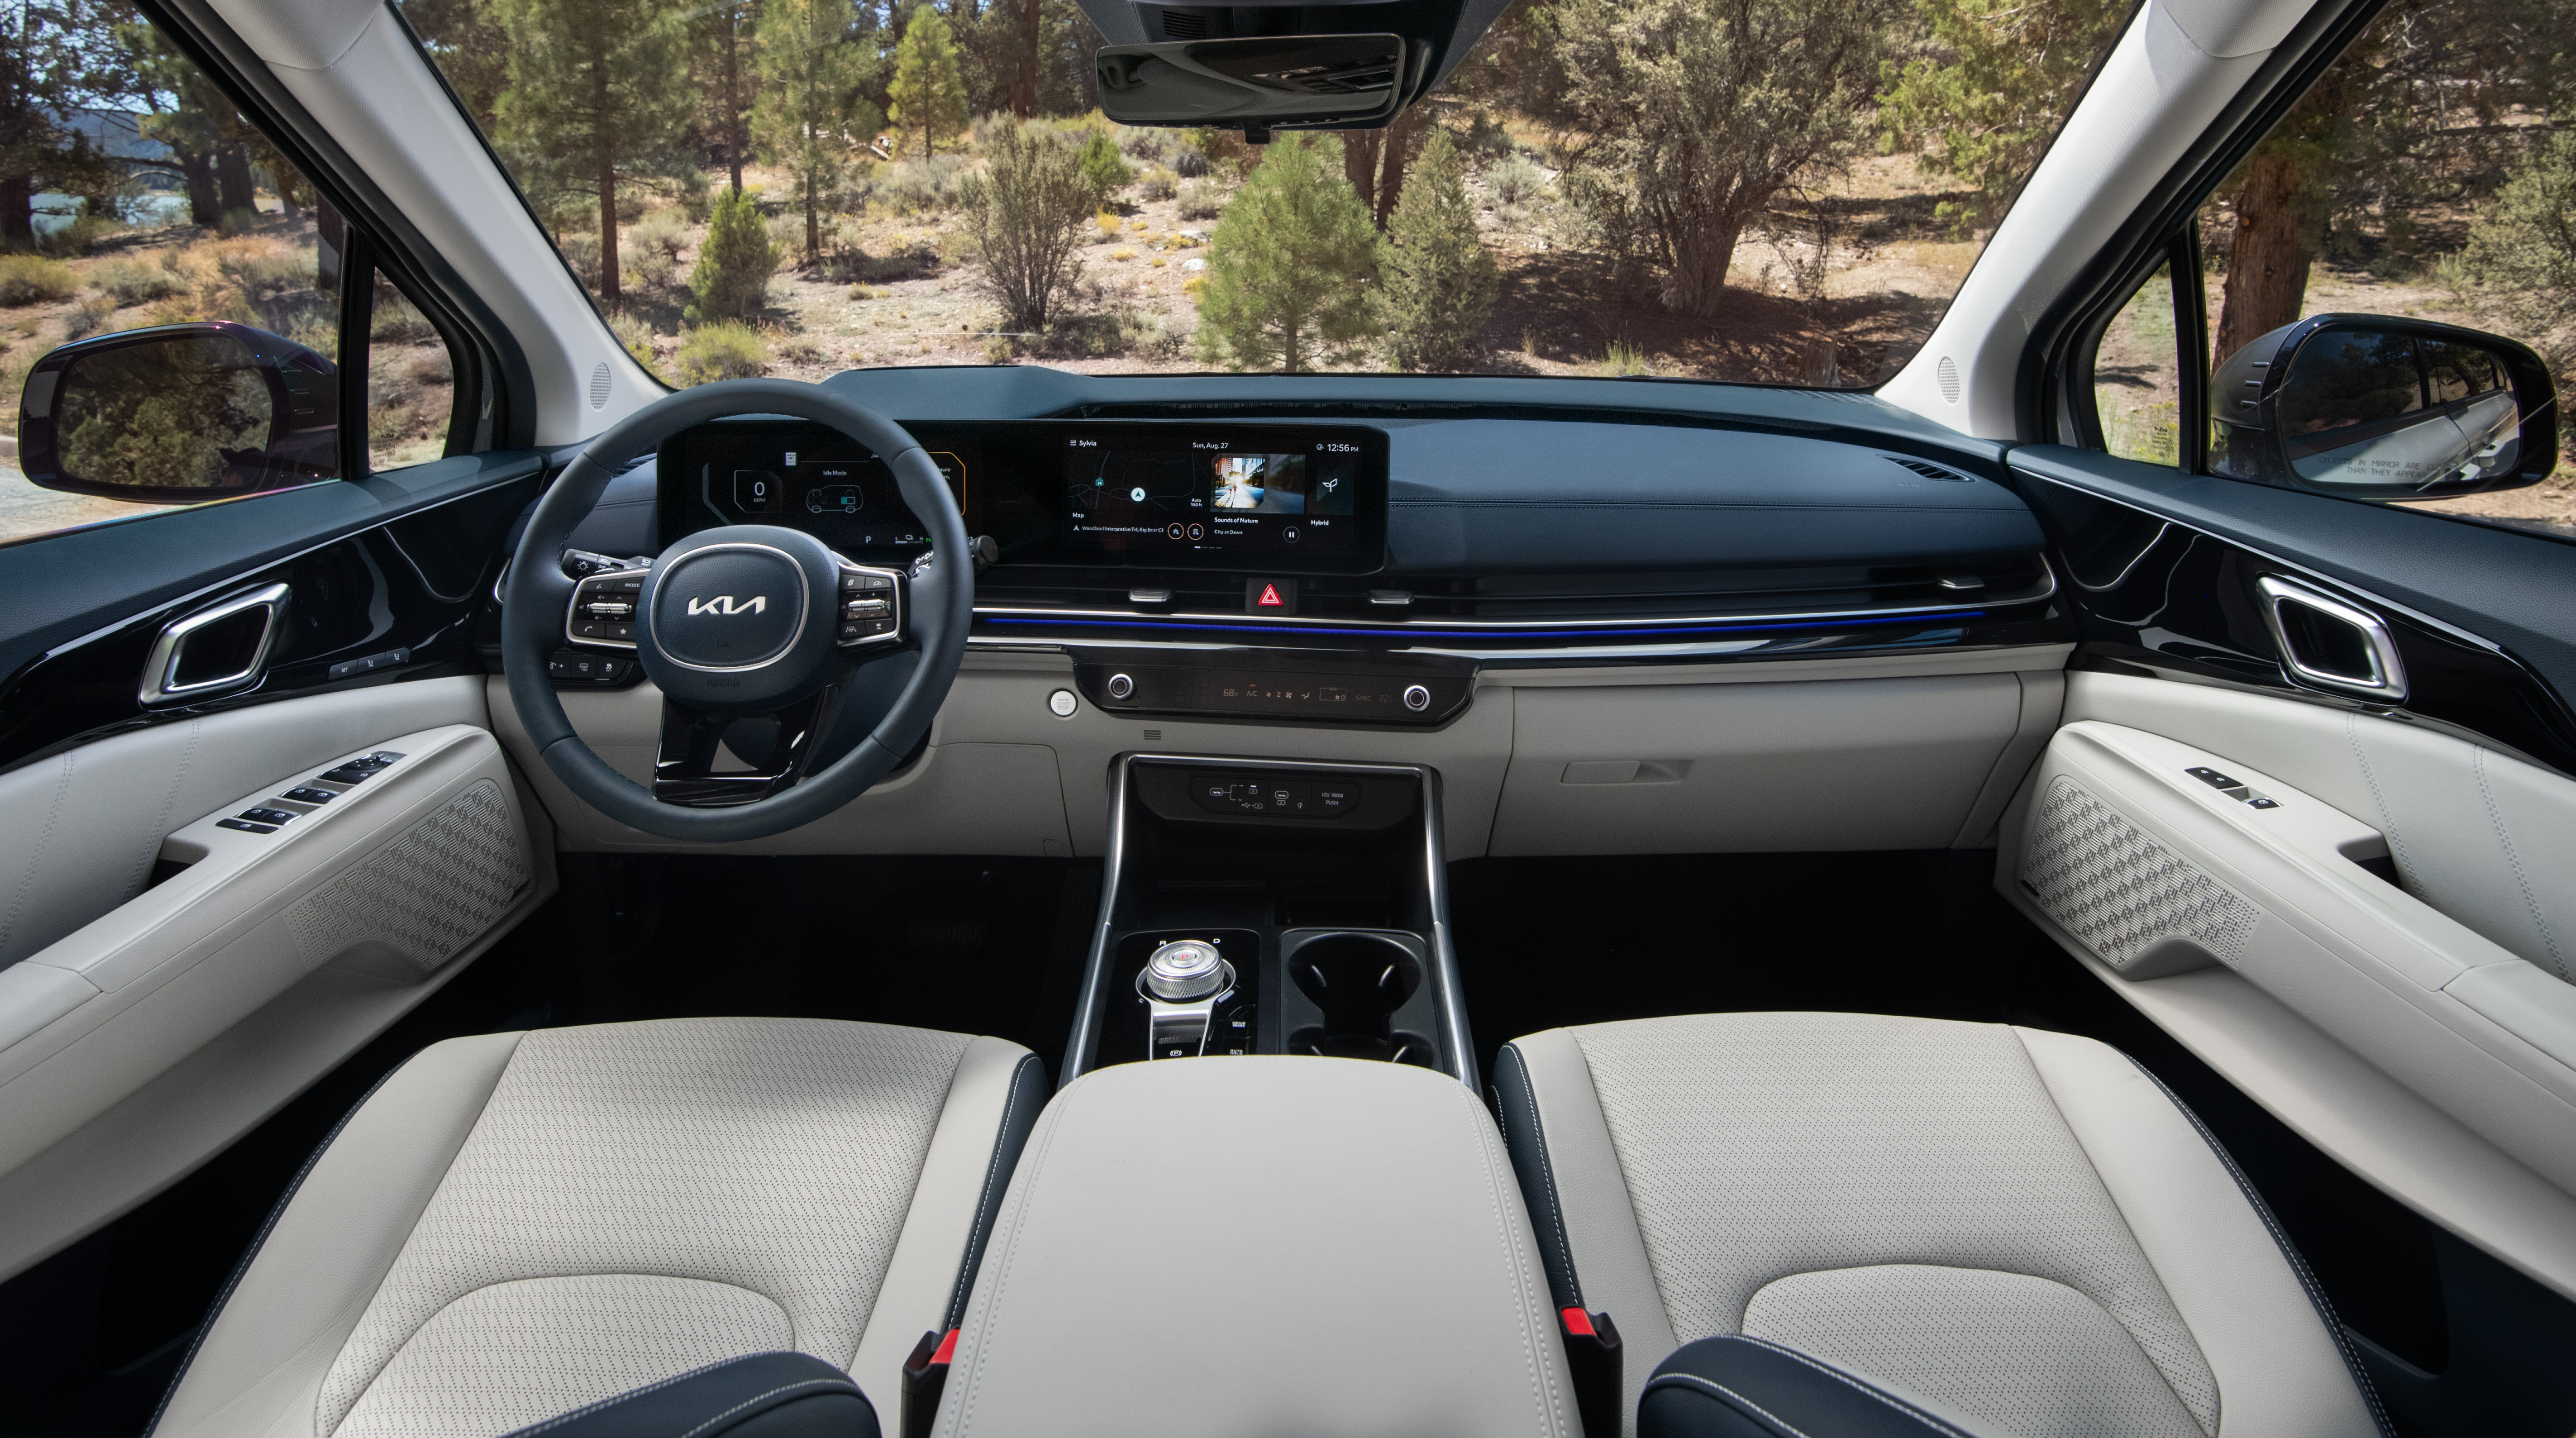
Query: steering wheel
(760,637)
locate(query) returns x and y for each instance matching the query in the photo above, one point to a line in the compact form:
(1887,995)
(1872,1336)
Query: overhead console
(1283,498)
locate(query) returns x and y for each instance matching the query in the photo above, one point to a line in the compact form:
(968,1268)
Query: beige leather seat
(2012,1230)
(517,1224)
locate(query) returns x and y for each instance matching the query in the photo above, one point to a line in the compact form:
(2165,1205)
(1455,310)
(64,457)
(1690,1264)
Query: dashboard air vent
(1929,470)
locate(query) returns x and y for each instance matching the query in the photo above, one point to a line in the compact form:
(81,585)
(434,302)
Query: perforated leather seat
(515,1225)
(2014,1231)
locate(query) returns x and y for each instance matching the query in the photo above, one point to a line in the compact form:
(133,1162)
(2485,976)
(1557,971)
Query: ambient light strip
(1410,632)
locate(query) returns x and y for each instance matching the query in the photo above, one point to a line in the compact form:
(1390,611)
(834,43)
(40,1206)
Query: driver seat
(515,1225)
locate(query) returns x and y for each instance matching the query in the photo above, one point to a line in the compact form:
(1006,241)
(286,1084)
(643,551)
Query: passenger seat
(1970,1228)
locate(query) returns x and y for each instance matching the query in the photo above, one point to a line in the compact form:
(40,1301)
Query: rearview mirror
(180,413)
(2369,407)
(1286,82)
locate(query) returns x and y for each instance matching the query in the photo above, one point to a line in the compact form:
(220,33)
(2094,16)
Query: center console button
(1120,686)
(1416,698)
(1185,970)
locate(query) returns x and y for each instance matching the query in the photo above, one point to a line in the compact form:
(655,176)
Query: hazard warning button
(1270,596)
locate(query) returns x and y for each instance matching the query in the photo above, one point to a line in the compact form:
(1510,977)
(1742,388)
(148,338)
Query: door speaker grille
(426,895)
(2118,891)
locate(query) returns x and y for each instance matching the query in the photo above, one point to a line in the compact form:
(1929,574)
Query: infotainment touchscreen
(1165,492)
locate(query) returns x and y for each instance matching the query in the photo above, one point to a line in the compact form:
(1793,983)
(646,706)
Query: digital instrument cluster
(1281,498)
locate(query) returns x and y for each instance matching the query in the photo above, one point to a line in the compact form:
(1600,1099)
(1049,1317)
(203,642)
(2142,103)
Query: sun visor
(1263,67)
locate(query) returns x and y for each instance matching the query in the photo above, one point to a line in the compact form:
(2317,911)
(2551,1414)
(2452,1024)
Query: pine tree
(597,94)
(812,112)
(1440,280)
(1292,261)
(734,264)
(929,91)
(1999,80)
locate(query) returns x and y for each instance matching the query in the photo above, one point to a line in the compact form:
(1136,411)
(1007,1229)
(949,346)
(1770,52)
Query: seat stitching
(1693,1380)
(765,1397)
(1002,1280)
(2289,1252)
(1847,1380)
(1547,1171)
(979,1236)
(1543,1389)
(2513,857)
(2095,1168)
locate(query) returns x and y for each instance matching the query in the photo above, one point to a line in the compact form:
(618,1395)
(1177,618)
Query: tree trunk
(233,189)
(199,172)
(1697,284)
(604,170)
(17,224)
(813,227)
(1398,144)
(2267,269)
(1360,151)
(733,100)
(1024,84)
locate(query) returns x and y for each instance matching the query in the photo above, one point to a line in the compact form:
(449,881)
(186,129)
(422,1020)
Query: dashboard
(1284,498)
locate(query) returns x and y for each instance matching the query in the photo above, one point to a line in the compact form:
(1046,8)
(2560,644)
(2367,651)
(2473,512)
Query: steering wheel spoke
(773,750)
(602,613)
(870,608)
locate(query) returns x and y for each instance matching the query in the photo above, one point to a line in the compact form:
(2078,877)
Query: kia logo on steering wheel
(727,604)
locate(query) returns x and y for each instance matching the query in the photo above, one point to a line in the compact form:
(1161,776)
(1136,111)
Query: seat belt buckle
(925,1377)
(1593,1360)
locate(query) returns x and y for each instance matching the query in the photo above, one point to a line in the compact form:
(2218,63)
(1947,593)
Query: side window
(2425,179)
(139,198)
(411,382)
(2137,376)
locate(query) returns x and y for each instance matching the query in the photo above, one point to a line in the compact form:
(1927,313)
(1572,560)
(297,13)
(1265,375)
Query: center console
(1254,908)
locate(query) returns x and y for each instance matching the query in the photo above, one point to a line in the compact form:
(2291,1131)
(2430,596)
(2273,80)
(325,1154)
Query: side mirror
(1285,81)
(180,413)
(2369,407)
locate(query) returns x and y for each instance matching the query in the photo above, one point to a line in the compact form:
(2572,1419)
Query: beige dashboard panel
(2241,917)
(1893,763)
(147,1039)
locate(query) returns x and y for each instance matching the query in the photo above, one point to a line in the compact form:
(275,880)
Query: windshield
(1787,192)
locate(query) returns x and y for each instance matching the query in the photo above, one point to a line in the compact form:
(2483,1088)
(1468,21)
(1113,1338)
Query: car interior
(996,899)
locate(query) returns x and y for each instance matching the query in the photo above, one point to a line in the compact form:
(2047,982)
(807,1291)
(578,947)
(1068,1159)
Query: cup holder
(1359,981)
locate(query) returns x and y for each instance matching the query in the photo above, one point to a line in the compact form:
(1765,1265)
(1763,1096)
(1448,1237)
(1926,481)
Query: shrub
(665,230)
(997,350)
(724,350)
(1025,216)
(1202,200)
(432,367)
(1102,169)
(800,349)
(237,222)
(1159,184)
(133,282)
(1189,161)
(734,265)
(2520,261)
(1290,274)
(78,237)
(1109,225)
(394,320)
(581,252)
(696,194)
(26,280)
(88,316)
(918,186)
(1122,253)
(634,336)
(1144,142)
(1440,282)
(1515,179)
(650,266)
(1624,359)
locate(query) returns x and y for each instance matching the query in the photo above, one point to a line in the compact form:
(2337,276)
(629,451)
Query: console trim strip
(1460,1056)
(1504,628)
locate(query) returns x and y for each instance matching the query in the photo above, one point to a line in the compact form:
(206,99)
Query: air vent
(599,386)
(1947,372)
(1928,470)
(1182,25)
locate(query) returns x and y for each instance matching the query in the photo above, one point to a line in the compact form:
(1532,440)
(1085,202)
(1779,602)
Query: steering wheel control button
(603,607)
(1061,704)
(869,606)
(1120,686)
(1416,698)
(574,667)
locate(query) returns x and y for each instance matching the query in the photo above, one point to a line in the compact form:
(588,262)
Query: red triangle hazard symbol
(1270,597)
